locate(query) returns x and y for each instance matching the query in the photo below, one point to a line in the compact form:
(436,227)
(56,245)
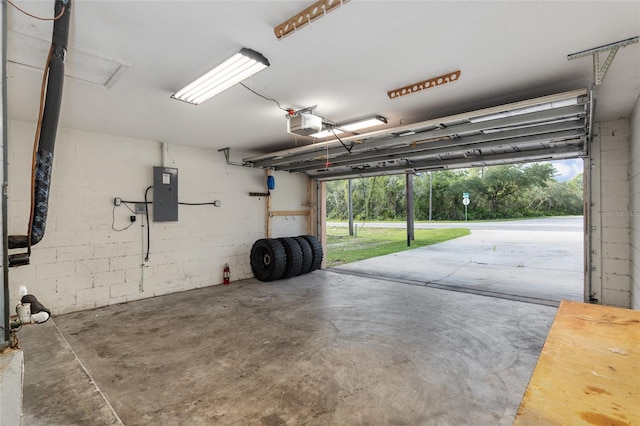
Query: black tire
(268,259)
(307,254)
(294,257)
(316,249)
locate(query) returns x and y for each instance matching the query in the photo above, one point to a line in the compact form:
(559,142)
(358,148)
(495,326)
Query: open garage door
(553,127)
(547,128)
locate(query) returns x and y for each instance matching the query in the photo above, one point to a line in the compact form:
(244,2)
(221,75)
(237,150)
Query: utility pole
(350,209)
(409,190)
(430,192)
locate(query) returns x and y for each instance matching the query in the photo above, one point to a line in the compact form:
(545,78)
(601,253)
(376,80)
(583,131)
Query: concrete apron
(540,267)
(324,348)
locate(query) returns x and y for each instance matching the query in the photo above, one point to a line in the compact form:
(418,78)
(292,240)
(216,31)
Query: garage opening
(550,128)
(525,221)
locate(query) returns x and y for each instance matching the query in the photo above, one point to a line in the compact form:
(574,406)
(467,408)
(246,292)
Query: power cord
(348,148)
(113,221)
(55,18)
(200,204)
(146,213)
(265,97)
(146,203)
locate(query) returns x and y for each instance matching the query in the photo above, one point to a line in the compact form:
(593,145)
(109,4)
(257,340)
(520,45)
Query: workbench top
(588,371)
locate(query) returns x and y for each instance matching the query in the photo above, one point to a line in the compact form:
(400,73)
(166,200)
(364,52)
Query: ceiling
(127,57)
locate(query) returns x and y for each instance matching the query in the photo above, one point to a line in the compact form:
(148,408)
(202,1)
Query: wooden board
(588,371)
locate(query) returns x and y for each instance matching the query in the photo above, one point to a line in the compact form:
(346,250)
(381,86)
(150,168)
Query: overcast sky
(567,169)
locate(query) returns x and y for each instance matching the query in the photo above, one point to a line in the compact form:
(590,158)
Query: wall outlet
(141,208)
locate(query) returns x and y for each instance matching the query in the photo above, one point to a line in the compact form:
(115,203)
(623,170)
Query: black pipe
(48,131)
(50,117)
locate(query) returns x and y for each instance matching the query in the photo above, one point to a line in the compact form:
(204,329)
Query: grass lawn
(372,242)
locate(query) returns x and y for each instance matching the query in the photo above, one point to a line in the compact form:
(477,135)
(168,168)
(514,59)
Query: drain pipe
(165,153)
(48,128)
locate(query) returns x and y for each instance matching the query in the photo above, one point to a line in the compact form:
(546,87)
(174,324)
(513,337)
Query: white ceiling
(344,62)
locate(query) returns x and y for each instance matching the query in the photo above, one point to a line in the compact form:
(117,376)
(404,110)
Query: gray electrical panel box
(165,194)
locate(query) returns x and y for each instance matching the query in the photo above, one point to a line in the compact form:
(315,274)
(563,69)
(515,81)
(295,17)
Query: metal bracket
(307,110)
(232,163)
(612,48)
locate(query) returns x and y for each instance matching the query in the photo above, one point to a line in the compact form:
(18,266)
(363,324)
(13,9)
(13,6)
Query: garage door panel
(547,128)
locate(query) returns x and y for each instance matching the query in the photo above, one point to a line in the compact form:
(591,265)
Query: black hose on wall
(48,130)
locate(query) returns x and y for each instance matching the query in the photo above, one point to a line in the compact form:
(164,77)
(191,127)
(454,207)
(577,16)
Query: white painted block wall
(611,214)
(83,263)
(635,205)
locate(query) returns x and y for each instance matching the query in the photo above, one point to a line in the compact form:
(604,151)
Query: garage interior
(142,332)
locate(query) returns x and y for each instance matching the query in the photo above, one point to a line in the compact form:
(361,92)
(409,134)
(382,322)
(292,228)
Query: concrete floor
(321,349)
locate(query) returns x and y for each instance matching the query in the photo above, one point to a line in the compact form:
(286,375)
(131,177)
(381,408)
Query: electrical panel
(165,194)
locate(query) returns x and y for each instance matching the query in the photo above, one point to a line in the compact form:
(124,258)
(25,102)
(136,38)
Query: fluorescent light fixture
(363,124)
(326,133)
(352,126)
(240,66)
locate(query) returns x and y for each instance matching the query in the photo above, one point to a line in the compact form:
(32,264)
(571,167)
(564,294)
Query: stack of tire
(277,258)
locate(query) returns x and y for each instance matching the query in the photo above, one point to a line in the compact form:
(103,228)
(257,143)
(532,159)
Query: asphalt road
(559,223)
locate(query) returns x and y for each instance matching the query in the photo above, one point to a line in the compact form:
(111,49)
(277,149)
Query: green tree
(502,184)
(505,191)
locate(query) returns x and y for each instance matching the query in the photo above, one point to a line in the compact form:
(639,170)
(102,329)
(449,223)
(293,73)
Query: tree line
(495,192)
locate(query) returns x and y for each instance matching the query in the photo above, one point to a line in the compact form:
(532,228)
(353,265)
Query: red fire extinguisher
(226,274)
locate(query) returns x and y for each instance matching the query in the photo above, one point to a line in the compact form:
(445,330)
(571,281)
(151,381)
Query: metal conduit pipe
(589,297)
(47,138)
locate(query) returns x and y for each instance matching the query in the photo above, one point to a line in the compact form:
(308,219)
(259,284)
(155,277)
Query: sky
(567,169)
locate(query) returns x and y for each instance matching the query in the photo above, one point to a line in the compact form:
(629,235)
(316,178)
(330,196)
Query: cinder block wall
(83,263)
(635,205)
(611,214)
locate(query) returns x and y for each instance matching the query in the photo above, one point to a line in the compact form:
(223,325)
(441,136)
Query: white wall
(635,205)
(82,263)
(611,214)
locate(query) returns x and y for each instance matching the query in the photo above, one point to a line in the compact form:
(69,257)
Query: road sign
(465,201)
(465,195)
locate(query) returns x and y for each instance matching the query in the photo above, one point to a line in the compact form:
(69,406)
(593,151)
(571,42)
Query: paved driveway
(539,260)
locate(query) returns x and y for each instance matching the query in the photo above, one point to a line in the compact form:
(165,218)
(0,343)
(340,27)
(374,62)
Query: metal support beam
(600,71)
(228,160)
(4,294)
